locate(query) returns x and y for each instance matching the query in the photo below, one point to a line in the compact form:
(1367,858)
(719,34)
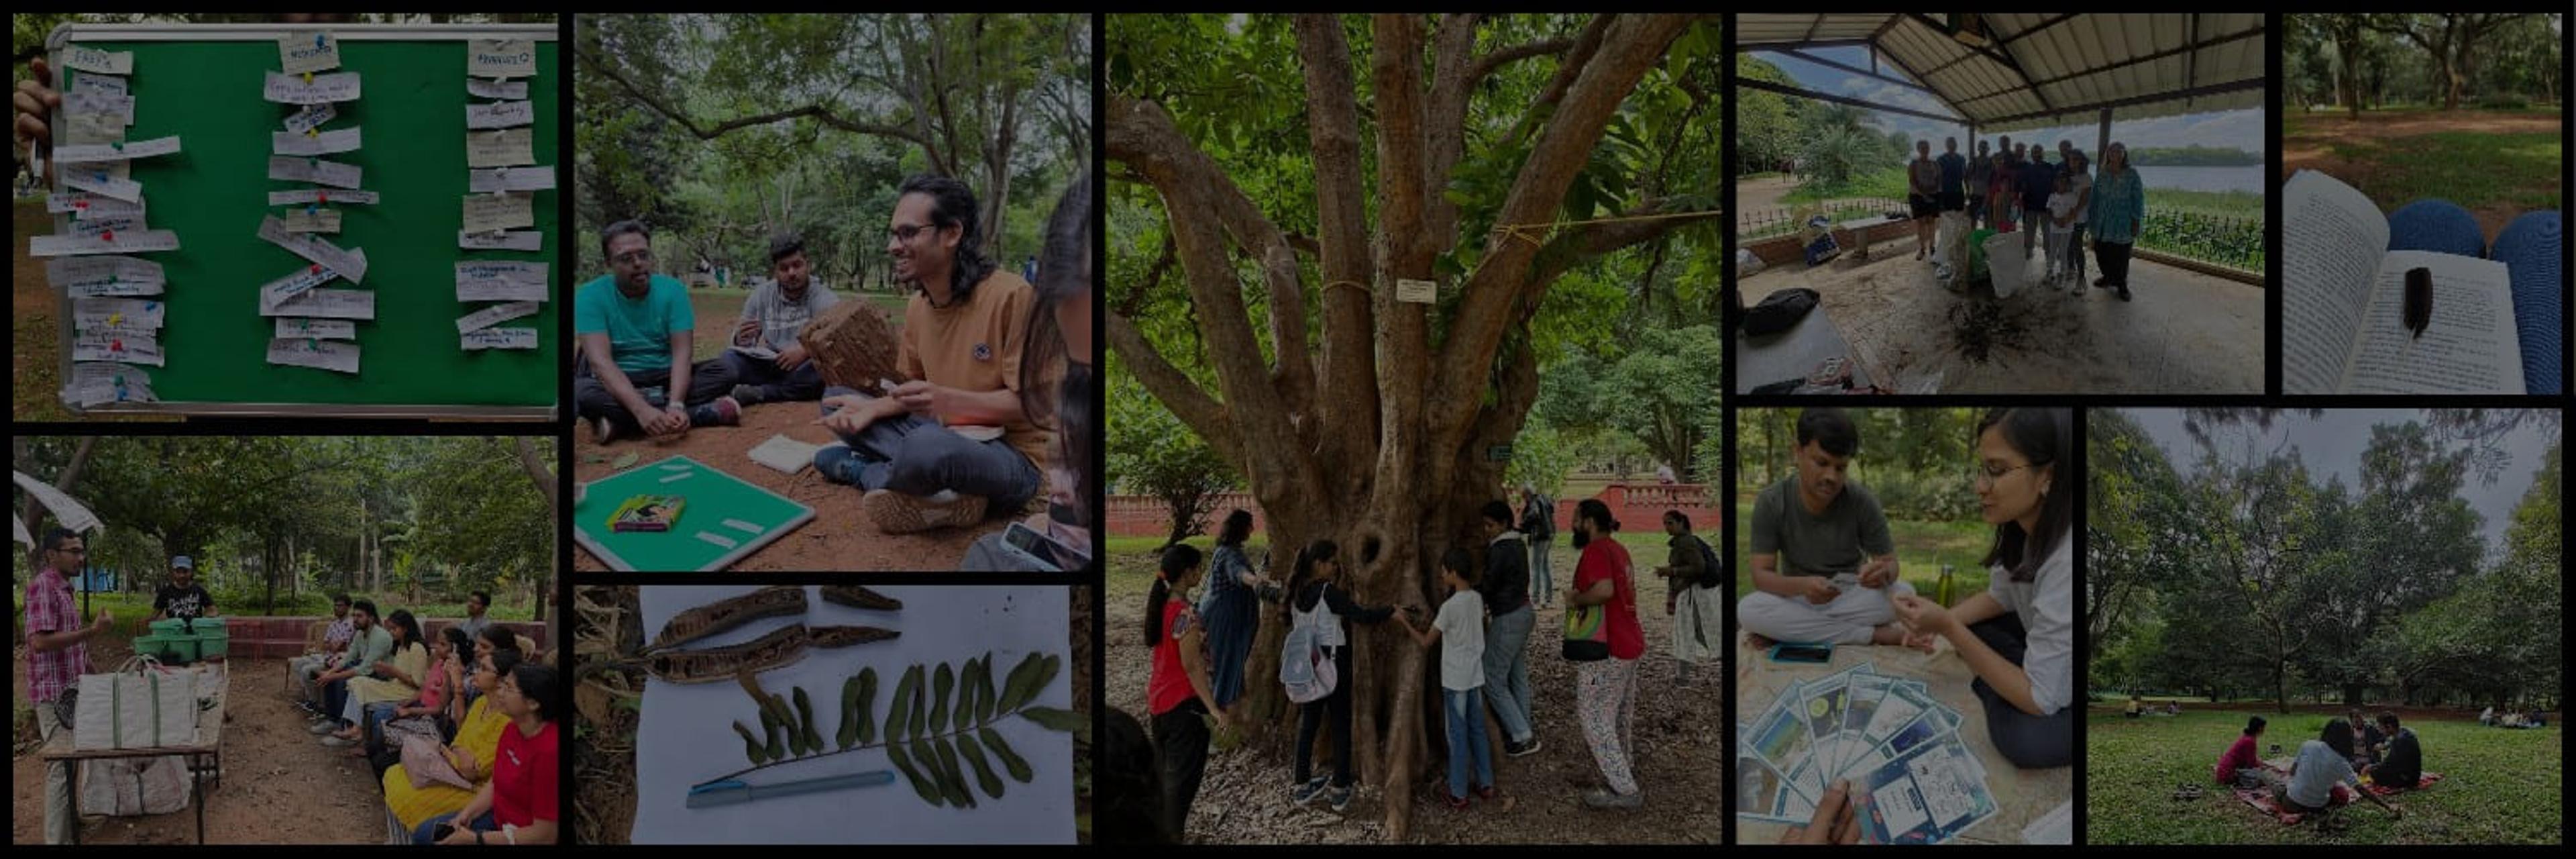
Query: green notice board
(714,503)
(204,83)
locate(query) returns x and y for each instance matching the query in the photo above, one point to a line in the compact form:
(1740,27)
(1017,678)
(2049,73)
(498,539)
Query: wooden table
(205,757)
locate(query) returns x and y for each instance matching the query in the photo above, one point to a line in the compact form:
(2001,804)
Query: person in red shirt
(1605,691)
(57,655)
(2240,765)
(518,806)
(1177,692)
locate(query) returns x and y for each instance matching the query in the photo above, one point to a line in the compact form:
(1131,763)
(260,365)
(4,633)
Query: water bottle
(1943,591)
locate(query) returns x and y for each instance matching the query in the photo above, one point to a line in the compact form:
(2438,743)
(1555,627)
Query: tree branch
(1349,400)
(1490,63)
(705,131)
(1403,329)
(1202,413)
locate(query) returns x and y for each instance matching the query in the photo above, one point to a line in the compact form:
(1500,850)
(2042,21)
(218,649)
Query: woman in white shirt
(2019,636)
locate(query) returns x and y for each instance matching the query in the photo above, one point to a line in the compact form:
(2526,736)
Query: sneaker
(338,742)
(324,727)
(1339,798)
(1456,803)
(721,411)
(748,395)
(1604,799)
(1520,750)
(2124,292)
(1487,793)
(602,431)
(839,464)
(1308,792)
(2101,281)
(898,513)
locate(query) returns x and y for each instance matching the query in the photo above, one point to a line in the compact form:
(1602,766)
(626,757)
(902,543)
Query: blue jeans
(424,834)
(776,385)
(377,715)
(2533,249)
(335,697)
(1466,711)
(1541,586)
(916,456)
(1507,683)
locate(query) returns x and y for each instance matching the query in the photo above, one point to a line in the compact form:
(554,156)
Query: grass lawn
(2468,168)
(2237,204)
(1921,549)
(2499,786)
(1888,183)
(726,304)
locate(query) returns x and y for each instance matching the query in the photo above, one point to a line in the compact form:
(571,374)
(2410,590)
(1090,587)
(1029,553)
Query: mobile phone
(1802,653)
(442,831)
(1055,554)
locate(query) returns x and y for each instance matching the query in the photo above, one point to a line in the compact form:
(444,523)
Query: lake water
(2241,178)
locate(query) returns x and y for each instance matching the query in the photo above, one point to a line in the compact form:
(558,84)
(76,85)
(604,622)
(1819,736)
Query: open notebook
(2343,296)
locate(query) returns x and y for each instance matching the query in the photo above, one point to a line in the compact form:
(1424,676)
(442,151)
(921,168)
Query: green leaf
(942,763)
(1010,760)
(624,461)
(1024,683)
(920,698)
(940,682)
(985,696)
(751,747)
(769,729)
(903,690)
(1055,719)
(867,703)
(974,755)
(967,684)
(849,734)
(805,719)
(903,762)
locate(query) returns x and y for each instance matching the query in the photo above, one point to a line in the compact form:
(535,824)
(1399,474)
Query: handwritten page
(326,329)
(292,89)
(510,179)
(109,347)
(496,314)
(498,338)
(90,59)
(104,83)
(92,101)
(318,354)
(139,241)
(104,276)
(489,212)
(106,228)
(500,280)
(517,240)
(504,148)
(302,52)
(500,114)
(319,195)
(277,291)
(500,58)
(314,170)
(480,88)
(310,117)
(328,304)
(351,264)
(313,142)
(311,220)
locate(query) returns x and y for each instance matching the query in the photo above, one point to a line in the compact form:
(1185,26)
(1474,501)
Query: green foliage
(1152,453)
(2228,241)
(1887,183)
(1836,145)
(1659,392)
(1766,123)
(1541,457)
(2192,156)
(1933,495)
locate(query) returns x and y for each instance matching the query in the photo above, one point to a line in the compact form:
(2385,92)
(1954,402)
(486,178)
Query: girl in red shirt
(519,804)
(1177,693)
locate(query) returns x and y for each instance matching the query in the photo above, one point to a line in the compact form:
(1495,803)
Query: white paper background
(686,736)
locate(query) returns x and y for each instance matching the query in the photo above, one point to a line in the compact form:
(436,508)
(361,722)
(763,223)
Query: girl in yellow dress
(478,740)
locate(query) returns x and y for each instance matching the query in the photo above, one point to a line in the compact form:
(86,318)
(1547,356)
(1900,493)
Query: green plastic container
(212,637)
(172,649)
(171,627)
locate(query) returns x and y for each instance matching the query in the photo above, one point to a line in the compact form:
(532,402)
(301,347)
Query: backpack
(1779,311)
(1710,572)
(1305,667)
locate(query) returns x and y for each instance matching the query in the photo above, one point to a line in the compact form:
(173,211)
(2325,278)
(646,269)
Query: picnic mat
(2261,798)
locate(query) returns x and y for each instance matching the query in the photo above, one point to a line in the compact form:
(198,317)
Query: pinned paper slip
(324,303)
(480,88)
(307,52)
(89,59)
(500,114)
(324,143)
(680,476)
(307,196)
(127,313)
(139,241)
(100,383)
(673,466)
(309,118)
(137,349)
(491,212)
(106,228)
(516,240)
(718,539)
(102,182)
(510,179)
(498,338)
(496,314)
(94,102)
(314,170)
(104,276)
(321,89)
(105,84)
(325,329)
(350,263)
(507,147)
(500,58)
(82,204)
(500,280)
(317,354)
(121,151)
(312,221)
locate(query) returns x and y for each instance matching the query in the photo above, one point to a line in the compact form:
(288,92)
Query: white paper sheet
(307,51)
(685,738)
(329,355)
(291,89)
(302,196)
(103,347)
(500,280)
(497,338)
(99,383)
(485,213)
(139,241)
(117,315)
(317,171)
(510,179)
(121,151)
(480,88)
(500,58)
(500,114)
(494,315)
(102,182)
(327,329)
(90,59)
(311,117)
(507,147)
(349,263)
(320,143)
(325,303)
(311,220)
(104,275)
(516,240)
(82,205)
(94,101)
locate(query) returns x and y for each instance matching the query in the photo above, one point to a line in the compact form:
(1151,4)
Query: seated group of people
(2382,750)
(474,697)
(2512,719)
(2137,707)
(962,432)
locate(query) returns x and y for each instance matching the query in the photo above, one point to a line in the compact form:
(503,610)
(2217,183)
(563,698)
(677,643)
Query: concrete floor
(2183,332)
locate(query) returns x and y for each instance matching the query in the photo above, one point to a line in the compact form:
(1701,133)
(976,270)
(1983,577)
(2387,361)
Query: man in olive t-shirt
(1824,564)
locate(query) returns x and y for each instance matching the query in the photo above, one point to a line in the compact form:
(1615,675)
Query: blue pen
(735,792)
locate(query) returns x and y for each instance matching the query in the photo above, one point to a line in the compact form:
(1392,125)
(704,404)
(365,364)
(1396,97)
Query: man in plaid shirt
(57,655)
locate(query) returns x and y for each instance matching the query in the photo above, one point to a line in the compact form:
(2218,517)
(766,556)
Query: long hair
(2044,436)
(457,642)
(537,682)
(1238,528)
(501,638)
(953,205)
(402,619)
(1068,407)
(1177,559)
(2338,736)
(1323,550)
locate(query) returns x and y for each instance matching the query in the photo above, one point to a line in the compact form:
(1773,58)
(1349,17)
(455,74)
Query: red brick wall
(1787,249)
(282,637)
(1638,507)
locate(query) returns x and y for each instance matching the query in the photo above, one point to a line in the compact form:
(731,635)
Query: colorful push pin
(312,132)
(150,306)
(308,210)
(324,196)
(102,175)
(312,344)
(317,40)
(116,345)
(308,78)
(107,235)
(116,319)
(80,204)
(117,145)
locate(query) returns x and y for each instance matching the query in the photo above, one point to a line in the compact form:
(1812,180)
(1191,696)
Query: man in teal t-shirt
(634,328)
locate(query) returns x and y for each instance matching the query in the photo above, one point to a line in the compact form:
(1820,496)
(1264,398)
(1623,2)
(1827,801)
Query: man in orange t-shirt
(949,442)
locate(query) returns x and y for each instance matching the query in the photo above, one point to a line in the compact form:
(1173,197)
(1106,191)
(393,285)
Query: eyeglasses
(1987,475)
(633,257)
(905,233)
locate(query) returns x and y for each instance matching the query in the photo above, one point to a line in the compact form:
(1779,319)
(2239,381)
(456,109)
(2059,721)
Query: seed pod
(780,648)
(713,618)
(858,597)
(845,636)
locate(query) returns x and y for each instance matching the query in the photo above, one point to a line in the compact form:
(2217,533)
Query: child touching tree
(1460,631)
(1177,690)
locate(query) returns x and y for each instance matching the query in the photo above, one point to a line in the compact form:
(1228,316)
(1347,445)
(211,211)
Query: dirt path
(1681,730)
(2312,146)
(280,785)
(1760,195)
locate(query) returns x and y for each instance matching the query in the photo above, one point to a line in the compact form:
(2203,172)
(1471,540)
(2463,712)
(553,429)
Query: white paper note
(103,182)
(319,195)
(326,329)
(105,83)
(106,228)
(745,527)
(314,170)
(100,383)
(139,241)
(518,240)
(500,114)
(104,276)
(500,58)
(1417,291)
(503,148)
(510,179)
(498,338)
(89,59)
(490,212)
(301,52)
(351,264)
(291,89)
(117,315)
(84,205)
(318,143)
(302,280)
(116,151)
(310,117)
(713,537)
(480,88)
(500,280)
(108,347)
(327,304)
(494,315)
(315,353)
(91,101)
(310,220)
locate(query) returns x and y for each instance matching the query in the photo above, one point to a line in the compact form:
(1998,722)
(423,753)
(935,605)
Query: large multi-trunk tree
(1351,414)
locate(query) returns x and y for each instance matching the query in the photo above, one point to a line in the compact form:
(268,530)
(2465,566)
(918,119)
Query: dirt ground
(2311,147)
(280,785)
(840,537)
(1681,731)
(2183,332)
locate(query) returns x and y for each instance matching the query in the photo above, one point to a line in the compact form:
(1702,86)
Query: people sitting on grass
(1605,689)
(635,326)
(1459,632)
(768,361)
(182,598)
(335,645)
(1691,599)
(1315,603)
(477,743)
(369,646)
(2366,739)
(396,679)
(2321,765)
(2173,708)
(2487,716)
(964,330)
(2135,705)
(2403,763)
(1824,562)
(519,805)
(2241,765)
(1178,692)
(2019,636)
(1505,589)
